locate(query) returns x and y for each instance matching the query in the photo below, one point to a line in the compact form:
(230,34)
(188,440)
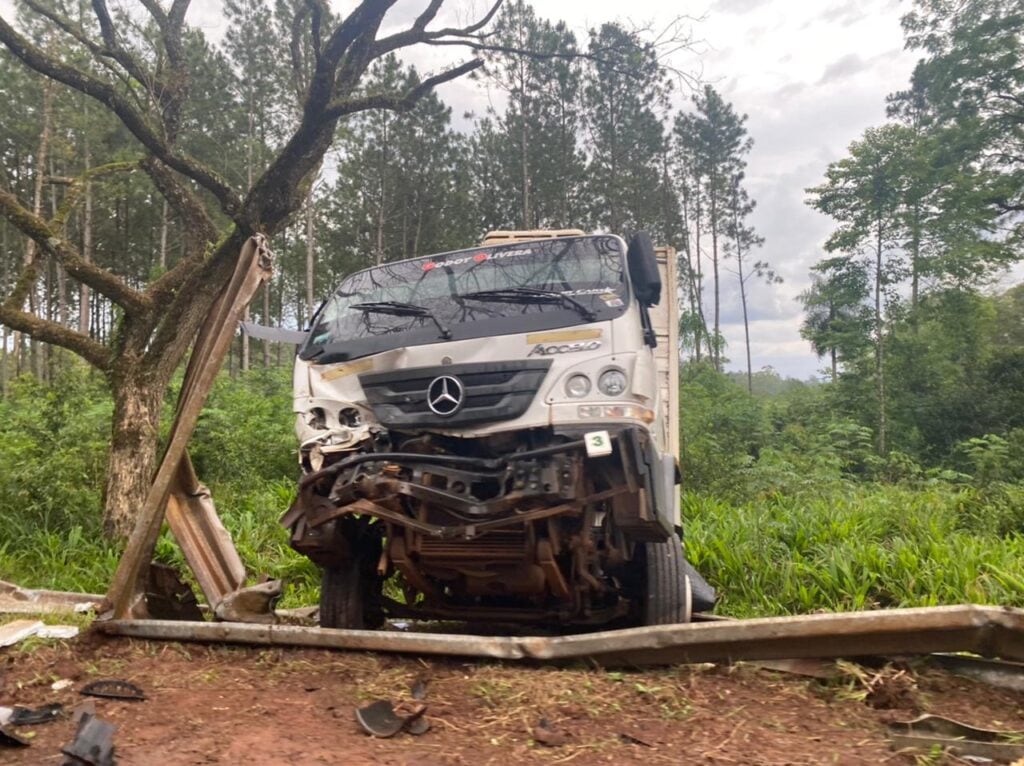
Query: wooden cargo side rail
(987,631)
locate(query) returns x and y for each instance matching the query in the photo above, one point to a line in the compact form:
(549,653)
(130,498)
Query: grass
(866,546)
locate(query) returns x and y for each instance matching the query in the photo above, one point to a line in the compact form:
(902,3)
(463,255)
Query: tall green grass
(862,546)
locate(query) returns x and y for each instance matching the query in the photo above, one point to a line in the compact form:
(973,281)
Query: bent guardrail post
(206,544)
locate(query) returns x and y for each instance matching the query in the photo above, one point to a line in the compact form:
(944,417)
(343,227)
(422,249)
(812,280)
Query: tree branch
(295,48)
(364,19)
(116,51)
(75,186)
(200,230)
(400,102)
(136,123)
(418,34)
(185,203)
(48,331)
(318,11)
(64,253)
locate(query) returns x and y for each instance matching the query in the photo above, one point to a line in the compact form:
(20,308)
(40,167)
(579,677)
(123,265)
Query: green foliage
(246,432)
(53,441)
(53,444)
(625,89)
(787,507)
(858,547)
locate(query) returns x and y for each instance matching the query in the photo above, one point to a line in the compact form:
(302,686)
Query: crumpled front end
(480,528)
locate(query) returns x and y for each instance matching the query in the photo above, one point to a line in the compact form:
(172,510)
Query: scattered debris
(254,604)
(82,708)
(382,719)
(418,726)
(62,684)
(57,631)
(998,673)
(19,630)
(300,615)
(25,716)
(9,739)
(17,600)
(93,744)
(629,739)
(929,731)
(885,689)
(168,598)
(113,688)
(823,670)
(544,734)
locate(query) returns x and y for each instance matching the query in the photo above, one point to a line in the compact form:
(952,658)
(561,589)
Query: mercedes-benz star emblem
(444,395)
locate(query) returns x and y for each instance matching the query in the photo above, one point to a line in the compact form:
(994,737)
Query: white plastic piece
(57,631)
(599,443)
(62,684)
(18,630)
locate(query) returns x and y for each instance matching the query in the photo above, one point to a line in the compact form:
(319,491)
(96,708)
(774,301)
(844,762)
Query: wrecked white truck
(497,427)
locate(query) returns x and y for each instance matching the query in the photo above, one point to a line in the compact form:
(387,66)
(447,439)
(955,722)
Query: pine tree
(743,240)
(624,93)
(535,64)
(718,140)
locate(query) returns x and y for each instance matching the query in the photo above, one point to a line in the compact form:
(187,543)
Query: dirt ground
(231,705)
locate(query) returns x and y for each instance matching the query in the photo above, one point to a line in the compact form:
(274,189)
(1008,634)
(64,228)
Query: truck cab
(491,434)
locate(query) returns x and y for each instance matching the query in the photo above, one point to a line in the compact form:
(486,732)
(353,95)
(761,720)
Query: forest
(894,478)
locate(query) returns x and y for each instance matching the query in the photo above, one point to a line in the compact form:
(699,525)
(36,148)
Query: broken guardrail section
(986,631)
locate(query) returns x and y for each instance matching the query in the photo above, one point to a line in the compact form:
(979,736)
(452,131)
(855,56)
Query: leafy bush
(53,445)
(246,430)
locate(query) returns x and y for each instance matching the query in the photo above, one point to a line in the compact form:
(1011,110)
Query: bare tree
(144,80)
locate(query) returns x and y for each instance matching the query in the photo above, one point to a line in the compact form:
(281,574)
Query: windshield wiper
(397,309)
(531,295)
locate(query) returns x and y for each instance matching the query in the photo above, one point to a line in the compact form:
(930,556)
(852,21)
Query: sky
(810,75)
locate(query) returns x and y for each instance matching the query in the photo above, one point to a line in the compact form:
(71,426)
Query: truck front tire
(341,596)
(349,595)
(668,599)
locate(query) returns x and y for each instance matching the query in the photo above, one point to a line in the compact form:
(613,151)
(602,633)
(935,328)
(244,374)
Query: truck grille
(486,392)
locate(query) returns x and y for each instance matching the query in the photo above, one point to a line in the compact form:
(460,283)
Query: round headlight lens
(612,382)
(577,386)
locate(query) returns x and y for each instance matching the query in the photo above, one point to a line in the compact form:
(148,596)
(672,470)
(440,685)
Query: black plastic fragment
(113,689)
(26,716)
(418,726)
(93,744)
(380,719)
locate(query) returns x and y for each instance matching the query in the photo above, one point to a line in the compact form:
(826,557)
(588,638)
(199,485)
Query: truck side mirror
(643,269)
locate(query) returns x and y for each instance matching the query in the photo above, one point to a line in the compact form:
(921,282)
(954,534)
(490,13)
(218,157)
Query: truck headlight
(577,386)
(612,382)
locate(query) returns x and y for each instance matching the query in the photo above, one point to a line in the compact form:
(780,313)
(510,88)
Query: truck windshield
(494,290)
